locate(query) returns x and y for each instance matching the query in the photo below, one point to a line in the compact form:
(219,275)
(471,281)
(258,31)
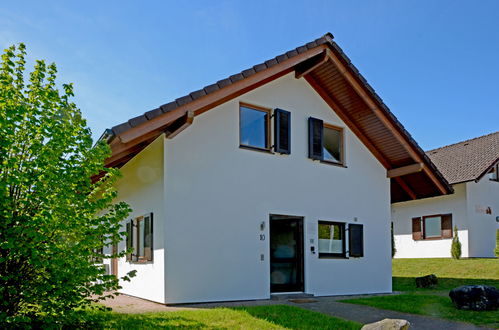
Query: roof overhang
(327,69)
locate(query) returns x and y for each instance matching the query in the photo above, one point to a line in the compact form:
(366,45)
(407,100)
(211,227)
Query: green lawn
(258,317)
(436,302)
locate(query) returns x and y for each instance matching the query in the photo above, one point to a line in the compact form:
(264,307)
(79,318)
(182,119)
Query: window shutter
(356,240)
(129,239)
(416,229)
(148,237)
(315,133)
(282,131)
(446,225)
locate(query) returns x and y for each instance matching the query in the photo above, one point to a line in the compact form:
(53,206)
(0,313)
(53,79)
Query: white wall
(403,212)
(142,188)
(480,196)
(216,196)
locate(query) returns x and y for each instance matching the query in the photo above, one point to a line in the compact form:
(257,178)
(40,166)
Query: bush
(497,244)
(456,245)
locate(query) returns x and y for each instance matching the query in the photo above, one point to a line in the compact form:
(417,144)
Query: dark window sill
(333,163)
(265,150)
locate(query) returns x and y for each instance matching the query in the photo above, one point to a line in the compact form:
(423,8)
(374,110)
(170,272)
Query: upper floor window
(254,129)
(325,142)
(494,173)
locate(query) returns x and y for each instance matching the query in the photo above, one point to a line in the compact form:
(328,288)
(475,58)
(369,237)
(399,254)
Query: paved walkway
(326,305)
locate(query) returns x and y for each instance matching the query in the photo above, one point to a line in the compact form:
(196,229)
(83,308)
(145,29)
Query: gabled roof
(467,160)
(329,71)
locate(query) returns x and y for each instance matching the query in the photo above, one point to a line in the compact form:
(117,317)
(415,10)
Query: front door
(286,254)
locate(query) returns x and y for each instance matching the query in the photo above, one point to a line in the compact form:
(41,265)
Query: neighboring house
(276,179)
(424,228)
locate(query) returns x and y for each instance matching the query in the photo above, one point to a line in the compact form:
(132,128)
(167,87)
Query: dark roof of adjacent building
(467,160)
(324,65)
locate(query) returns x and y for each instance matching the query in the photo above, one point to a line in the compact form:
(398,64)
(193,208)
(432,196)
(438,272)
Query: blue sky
(434,63)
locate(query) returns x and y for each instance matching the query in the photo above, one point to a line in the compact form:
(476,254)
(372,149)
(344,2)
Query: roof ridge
(464,141)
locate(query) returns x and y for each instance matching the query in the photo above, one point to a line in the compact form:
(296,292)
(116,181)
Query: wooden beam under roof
(406,188)
(404,170)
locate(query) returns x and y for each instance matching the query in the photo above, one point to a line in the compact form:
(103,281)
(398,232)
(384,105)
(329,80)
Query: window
(325,142)
(432,227)
(140,239)
(494,173)
(331,239)
(254,127)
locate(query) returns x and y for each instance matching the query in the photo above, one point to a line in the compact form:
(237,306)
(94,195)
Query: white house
(424,228)
(276,179)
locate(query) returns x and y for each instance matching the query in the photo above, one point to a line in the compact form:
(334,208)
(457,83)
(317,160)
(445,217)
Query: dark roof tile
(153,113)
(211,88)
(301,49)
(118,129)
(248,72)
(271,63)
(197,94)
(223,83)
(281,58)
(136,121)
(236,77)
(169,106)
(311,45)
(260,67)
(291,53)
(183,100)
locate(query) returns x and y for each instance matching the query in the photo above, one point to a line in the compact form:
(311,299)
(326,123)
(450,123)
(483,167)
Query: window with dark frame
(331,239)
(326,142)
(495,173)
(254,127)
(431,227)
(140,239)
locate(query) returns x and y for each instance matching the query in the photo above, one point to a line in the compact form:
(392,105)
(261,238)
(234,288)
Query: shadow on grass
(430,304)
(292,317)
(409,283)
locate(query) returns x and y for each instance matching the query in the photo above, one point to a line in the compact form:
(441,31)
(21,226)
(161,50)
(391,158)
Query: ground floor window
(331,239)
(140,238)
(430,227)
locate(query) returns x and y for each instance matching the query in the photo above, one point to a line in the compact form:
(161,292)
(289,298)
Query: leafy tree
(456,246)
(53,219)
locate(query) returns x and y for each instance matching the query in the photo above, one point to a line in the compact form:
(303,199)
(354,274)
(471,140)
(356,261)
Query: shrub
(456,245)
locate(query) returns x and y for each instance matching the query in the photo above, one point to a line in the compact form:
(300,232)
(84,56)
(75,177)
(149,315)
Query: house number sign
(262,237)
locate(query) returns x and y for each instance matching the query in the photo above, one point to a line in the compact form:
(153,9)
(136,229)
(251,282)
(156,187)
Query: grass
(436,302)
(257,317)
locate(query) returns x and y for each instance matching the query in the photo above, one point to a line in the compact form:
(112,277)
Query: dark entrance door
(286,254)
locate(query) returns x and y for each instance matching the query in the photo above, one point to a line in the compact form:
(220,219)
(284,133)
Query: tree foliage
(456,246)
(54,220)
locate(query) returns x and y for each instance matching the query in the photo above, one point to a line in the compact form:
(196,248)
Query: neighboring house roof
(467,160)
(329,71)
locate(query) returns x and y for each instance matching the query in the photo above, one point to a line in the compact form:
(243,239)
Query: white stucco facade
(468,206)
(210,197)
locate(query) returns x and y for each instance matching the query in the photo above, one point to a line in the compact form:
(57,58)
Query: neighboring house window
(254,127)
(140,238)
(331,239)
(432,227)
(325,142)
(495,173)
